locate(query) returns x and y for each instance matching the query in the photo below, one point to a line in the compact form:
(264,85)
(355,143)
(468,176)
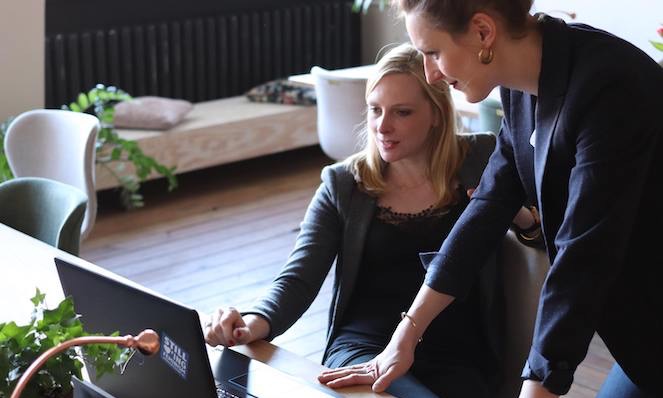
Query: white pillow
(153,113)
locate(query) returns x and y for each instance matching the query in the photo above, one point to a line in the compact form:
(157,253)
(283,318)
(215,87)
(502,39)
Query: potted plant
(21,345)
(113,152)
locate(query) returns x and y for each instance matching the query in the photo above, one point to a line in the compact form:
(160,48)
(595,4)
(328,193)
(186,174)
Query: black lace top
(390,277)
(407,220)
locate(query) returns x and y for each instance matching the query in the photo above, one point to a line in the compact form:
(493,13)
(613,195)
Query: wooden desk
(294,365)
(26,263)
(464,108)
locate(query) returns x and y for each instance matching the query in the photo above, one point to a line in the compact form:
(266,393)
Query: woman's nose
(432,72)
(383,125)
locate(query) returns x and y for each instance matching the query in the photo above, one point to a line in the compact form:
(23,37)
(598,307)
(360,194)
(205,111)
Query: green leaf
(10,331)
(5,170)
(658,45)
(107,116)
(74,107)
(356,6)
(38,298)
(83,101)
(63,313)
(116,153)
(92,95)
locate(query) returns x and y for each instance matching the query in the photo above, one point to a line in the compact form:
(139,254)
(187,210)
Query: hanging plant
(115,153)
(364,5)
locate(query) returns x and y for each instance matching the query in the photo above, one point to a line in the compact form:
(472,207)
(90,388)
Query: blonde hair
(446,151)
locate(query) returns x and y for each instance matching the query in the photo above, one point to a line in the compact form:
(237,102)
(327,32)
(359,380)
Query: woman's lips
(388,144)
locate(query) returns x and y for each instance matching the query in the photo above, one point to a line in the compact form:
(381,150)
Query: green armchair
(45,209)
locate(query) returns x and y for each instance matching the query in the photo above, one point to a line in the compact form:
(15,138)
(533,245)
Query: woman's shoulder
(340,184)
(338,174)
(480,147)
(339,180)
(590,54)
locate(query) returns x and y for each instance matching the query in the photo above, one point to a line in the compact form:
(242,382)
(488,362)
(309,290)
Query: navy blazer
(594,167)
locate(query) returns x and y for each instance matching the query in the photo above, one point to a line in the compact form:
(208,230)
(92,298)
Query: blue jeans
(618,385)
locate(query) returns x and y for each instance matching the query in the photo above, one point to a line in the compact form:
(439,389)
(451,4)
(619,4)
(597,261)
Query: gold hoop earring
(486,57)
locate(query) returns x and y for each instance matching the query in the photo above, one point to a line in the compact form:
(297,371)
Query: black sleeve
(481,226)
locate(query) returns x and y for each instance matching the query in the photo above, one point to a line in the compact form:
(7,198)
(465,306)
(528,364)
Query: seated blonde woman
(374,213)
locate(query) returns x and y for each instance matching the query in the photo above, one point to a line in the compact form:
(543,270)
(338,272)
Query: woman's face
(454,61)
(400,118)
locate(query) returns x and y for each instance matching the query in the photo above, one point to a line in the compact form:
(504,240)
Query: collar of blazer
(555,62)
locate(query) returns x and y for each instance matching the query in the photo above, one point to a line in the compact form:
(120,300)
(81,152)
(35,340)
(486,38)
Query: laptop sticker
(173,355)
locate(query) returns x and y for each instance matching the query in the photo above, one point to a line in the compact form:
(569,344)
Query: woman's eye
(403,112)
(374,110)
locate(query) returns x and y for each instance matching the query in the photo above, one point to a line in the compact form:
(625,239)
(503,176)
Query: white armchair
(341,111)
(58,145)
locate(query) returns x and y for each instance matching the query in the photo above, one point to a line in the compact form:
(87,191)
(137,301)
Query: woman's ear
(483,27)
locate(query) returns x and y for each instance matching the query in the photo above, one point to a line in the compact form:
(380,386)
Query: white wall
(380,29)
(633,20)
(21,56)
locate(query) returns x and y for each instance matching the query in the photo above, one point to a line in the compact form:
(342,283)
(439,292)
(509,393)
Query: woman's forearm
(258,326)
(426,306)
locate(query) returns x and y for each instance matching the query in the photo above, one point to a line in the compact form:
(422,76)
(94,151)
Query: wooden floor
(221,237)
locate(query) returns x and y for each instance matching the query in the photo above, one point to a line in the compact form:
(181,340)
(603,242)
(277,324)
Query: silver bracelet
(412,322)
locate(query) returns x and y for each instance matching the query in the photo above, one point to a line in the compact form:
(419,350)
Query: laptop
(184,366)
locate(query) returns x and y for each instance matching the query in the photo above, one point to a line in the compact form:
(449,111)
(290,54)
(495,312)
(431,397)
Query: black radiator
(178,50)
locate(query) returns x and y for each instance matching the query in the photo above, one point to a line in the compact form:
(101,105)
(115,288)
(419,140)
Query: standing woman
(581,137)
(375,213)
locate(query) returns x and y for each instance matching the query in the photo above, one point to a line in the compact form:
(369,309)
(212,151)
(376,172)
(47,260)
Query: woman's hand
(534,389)
(398,355)
(524,219)
(227,327)
(393,362)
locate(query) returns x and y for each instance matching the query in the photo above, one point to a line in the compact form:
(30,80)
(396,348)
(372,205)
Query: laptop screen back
(108,304)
